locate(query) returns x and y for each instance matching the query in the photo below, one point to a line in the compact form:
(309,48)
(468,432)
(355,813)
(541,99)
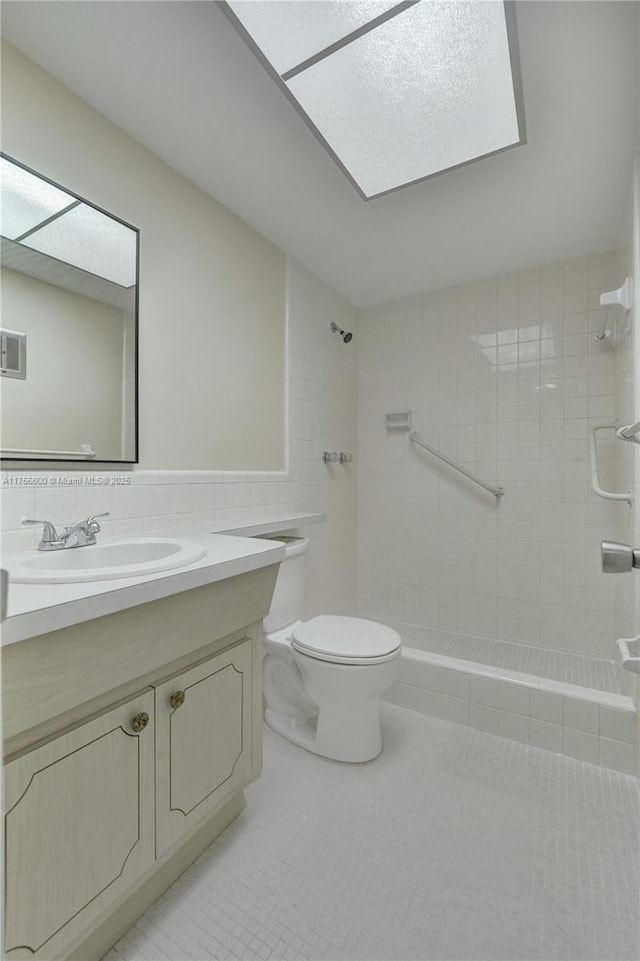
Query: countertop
(34,609)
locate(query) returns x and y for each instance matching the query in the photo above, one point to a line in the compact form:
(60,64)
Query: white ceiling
(177,77)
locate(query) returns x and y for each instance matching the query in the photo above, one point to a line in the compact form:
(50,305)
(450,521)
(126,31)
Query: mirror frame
(84,464)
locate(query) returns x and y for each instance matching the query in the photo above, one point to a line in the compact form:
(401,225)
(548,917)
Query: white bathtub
(591,724)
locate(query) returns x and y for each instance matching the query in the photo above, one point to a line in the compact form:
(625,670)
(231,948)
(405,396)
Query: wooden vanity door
(203,741)
(78,827)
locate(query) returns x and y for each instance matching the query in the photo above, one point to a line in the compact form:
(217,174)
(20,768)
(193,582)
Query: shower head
(346,336)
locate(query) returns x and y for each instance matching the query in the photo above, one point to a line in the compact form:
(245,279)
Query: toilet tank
(288,595)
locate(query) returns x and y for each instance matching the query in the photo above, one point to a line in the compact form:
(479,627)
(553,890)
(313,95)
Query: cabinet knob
(177,699)
(140,721)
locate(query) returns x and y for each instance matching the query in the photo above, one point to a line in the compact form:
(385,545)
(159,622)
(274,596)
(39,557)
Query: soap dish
(629,648)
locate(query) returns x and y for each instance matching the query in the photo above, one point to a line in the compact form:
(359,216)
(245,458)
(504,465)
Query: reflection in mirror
(68,341)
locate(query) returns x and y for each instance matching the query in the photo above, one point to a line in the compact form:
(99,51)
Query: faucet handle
(92,523)
(49,532)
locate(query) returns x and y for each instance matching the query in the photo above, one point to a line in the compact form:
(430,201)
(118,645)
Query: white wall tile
(514,698)
(483,718)
(513,726)
(546,735)
(581,715)
(581,745)
(455,684)
(429,677)
(512,390)
(546,706)
(484,690)
(404,695)
(428,702)
(618,725)
(619,756)
(455,709)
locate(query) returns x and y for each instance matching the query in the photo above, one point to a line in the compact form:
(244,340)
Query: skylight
(27,200)
(396,92)
(37,214)
(89,239)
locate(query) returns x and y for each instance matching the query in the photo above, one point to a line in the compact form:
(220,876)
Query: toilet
(322,679)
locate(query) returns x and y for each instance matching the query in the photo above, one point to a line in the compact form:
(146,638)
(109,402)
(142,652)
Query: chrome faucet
(81,534)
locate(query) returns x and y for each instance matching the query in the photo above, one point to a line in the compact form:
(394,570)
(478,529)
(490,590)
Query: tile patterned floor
(594,672)
(453,844)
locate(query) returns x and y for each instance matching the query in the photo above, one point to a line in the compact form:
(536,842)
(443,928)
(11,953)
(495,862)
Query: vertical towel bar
(595,472)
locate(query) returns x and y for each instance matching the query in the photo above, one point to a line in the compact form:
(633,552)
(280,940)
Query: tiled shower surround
(506,378)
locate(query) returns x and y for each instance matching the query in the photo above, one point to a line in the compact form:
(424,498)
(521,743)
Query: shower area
(508,622)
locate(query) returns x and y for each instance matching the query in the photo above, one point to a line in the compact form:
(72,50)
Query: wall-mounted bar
(629,433)
(595,471)
(414,436)
(86,452)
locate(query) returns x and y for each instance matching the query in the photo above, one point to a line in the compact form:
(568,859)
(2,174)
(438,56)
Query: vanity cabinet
(203,740)
(78,829)
(128,742)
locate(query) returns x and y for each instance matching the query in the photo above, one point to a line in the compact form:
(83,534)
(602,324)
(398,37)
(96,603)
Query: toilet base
(344,732)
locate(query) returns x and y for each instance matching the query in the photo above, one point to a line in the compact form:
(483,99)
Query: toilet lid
(330,635)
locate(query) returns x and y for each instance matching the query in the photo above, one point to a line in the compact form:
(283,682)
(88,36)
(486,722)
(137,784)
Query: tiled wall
(506,378)
(321,413)
(622,327)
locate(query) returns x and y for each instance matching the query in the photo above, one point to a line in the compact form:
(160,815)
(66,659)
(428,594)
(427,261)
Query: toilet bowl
(322,678)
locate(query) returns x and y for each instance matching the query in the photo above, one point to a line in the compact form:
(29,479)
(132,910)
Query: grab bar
(86,452)
(629,433)
(414,436)
(595,472)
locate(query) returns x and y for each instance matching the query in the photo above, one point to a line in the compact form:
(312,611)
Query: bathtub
(568,703)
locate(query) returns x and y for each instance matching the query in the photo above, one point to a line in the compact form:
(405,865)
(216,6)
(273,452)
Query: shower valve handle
(618,558)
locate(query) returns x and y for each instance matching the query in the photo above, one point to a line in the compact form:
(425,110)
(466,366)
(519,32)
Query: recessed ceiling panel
(288,32)
(27,200)
(425,91)
(87,238)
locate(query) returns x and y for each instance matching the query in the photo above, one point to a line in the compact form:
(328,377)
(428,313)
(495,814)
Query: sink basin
(126,558)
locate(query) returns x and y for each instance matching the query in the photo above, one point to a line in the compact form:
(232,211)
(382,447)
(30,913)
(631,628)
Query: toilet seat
(345,640)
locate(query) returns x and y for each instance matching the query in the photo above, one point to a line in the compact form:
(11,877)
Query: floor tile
(453,844)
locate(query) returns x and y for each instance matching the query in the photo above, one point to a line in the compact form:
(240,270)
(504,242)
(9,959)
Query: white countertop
(34,609)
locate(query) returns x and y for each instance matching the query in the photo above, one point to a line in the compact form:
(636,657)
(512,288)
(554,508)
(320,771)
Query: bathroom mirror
(68,337)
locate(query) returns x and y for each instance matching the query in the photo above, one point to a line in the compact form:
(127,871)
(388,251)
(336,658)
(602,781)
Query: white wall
(73,391)
(212,290)
(505,377)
